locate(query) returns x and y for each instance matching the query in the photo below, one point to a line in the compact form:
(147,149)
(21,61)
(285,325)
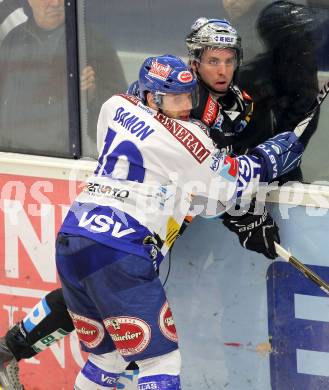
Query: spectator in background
(320,10)
(282,81)
(243,14)
(7,7)
(33,81)
(10,16)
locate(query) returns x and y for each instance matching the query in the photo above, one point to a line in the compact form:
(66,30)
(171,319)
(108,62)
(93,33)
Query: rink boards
(243,322)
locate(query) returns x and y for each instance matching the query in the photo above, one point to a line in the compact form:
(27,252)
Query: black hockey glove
(256,232)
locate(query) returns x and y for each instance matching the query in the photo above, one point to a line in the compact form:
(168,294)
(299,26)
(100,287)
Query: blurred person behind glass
(320,10)
(243,14)
(10,15)
(283,80)
(33,88)
(33,82)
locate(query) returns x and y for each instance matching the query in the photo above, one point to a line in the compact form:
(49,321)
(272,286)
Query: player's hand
(279,155)
(255,232)
(87,79)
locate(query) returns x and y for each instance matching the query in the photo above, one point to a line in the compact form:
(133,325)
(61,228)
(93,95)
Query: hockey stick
(323,93)
(302,268)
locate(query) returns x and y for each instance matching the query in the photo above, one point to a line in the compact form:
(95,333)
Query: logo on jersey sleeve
(167,324)
(230,168)
(217,159)
(130,335)
(90,332)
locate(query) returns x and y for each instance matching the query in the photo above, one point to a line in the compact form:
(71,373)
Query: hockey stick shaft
(323,93)
(324,286)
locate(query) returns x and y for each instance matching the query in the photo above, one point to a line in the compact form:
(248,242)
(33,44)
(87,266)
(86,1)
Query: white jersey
(150,170)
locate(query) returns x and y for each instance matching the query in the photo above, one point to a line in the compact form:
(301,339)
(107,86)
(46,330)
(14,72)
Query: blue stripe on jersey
(159,382)
(109,226)
(99,376)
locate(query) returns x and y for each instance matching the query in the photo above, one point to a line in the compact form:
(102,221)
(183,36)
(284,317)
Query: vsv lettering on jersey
(99,376)
(103,223)
(132,123)
(109,380)
(249,171)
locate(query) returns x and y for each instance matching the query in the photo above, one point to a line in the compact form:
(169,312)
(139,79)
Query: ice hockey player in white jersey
(152,164)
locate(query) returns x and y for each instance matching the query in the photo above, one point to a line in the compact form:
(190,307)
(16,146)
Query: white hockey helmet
(211,34)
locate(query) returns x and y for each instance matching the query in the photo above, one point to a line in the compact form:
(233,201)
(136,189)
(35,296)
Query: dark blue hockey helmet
(164,75)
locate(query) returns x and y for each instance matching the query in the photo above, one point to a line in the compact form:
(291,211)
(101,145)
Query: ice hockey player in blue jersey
(152,163)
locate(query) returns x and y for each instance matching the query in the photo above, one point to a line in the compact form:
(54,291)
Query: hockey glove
(256,232)
(280,154)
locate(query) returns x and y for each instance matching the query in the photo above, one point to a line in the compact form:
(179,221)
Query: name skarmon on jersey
(96,189)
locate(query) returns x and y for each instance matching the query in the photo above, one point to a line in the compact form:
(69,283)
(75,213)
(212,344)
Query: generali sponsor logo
(167,324)
(190,142)
(90,332)
(130,335)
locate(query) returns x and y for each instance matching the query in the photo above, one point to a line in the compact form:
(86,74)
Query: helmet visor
(177,101)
